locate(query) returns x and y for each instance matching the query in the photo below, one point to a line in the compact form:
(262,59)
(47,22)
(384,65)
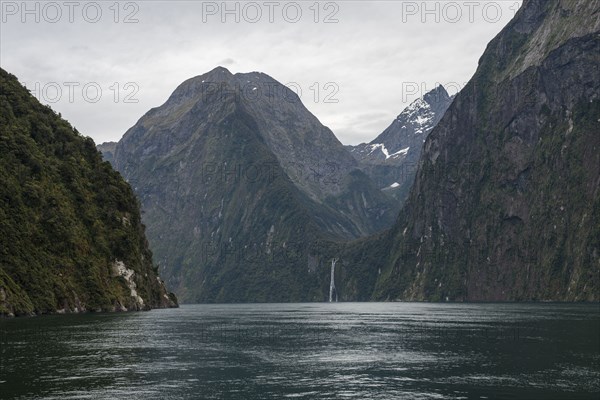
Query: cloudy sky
(357,64)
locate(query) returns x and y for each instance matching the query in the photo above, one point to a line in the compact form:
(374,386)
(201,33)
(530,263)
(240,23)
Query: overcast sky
(356,63)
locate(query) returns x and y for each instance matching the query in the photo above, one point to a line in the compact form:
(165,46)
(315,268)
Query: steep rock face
(391,159)
(237,181)
(71,237)
(506,203)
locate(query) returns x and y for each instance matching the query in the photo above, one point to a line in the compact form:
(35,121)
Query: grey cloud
(227,61)
(370,54)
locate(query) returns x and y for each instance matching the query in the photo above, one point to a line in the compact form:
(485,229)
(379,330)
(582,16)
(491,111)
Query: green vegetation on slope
(66,218)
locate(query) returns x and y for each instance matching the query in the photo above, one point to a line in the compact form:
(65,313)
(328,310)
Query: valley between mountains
(498,186)
(232,191)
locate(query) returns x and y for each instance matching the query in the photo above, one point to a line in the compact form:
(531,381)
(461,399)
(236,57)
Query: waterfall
(332,282)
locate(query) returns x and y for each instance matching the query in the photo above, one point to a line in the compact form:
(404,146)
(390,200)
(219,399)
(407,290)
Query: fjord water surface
(307,351)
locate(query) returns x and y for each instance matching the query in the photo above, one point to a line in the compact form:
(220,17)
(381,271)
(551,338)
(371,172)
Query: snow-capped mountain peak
(401,143)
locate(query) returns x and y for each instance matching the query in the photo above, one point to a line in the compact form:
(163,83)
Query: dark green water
(307,351)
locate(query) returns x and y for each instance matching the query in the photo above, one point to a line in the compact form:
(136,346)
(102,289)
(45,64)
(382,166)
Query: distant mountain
(108,150)
(237,180)
(390,160)
(506,201)
(71,238)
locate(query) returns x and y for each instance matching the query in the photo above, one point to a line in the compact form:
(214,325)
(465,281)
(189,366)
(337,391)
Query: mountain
(108,150)
(390,160)
(71,237)
(237,180)
(506,201)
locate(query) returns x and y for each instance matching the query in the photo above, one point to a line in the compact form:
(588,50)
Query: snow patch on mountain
(400,144)
(381,147)
(385,151)
(422,120)
(401,152)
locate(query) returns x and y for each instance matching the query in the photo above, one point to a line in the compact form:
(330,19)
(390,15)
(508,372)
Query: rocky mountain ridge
(506,202)
(391,159)
(235,164)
